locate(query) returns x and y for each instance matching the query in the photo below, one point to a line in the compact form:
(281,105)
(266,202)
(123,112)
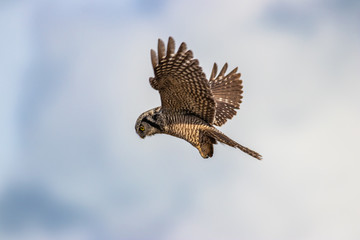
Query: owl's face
(146,124)
(145,129)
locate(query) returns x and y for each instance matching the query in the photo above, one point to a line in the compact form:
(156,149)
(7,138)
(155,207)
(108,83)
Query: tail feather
(219,136)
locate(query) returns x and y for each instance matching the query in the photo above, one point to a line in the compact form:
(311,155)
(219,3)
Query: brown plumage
(190,104)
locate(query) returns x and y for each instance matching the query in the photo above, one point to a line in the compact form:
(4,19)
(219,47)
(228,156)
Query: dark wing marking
(227,92)
(181,82)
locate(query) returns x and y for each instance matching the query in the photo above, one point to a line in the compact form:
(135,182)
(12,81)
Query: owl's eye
(141,128)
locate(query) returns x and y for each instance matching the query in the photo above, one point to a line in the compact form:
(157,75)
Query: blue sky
(74,78)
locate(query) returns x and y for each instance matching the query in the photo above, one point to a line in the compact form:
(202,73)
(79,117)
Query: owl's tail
(227,90)
(219,136)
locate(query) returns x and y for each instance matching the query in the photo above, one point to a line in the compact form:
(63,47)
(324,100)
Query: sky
(74,78)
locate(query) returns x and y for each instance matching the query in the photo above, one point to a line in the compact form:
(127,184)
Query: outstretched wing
(227,92)
(181,82)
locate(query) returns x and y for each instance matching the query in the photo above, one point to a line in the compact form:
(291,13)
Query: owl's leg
(206,150)
(205,146)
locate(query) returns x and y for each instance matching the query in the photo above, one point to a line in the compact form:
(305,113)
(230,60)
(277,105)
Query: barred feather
(227,92)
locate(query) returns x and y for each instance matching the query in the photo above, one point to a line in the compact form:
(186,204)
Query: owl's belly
(185,126)
(186,131)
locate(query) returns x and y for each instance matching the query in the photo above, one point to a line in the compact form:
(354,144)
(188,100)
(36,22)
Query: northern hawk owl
(190,104)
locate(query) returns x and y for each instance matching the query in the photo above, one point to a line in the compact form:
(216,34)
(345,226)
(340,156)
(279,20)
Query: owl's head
(148,123)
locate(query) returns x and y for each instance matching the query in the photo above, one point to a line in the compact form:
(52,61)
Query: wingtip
(223,70)
(189,54)
(182,48)
(170,47)
(154,59)
(213,72)
(161,49)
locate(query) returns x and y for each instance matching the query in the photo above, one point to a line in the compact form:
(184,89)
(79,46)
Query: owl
(191,105)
